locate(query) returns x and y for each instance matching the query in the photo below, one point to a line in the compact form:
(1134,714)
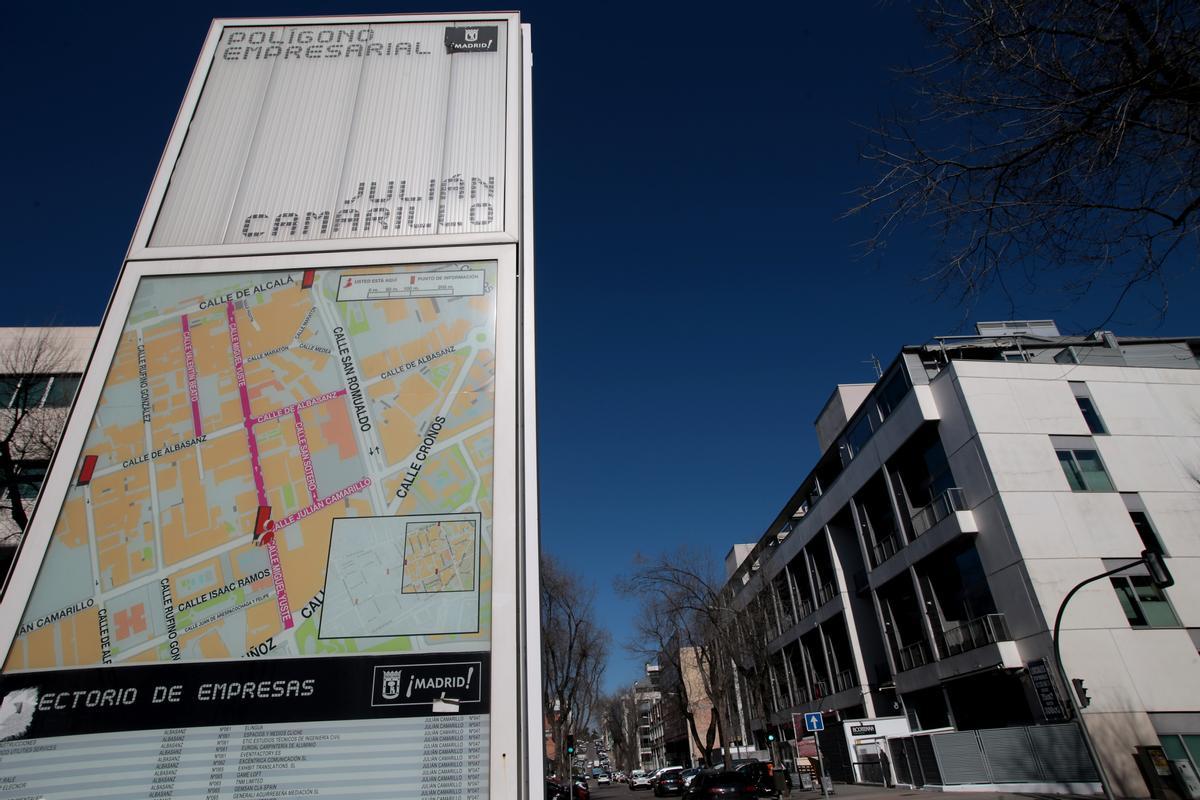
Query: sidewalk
(851,791)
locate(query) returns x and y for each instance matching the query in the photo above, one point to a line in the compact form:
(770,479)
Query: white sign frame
(505,710)
(139,247)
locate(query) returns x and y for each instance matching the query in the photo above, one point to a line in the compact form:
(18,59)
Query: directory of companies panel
(280,529)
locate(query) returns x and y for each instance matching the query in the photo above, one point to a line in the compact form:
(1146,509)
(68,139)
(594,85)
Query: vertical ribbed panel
(1010,755)
(1062,753)
(330,132)
(959,758)
(209,170)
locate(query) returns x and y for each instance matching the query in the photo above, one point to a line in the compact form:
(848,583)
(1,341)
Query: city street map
(281,463)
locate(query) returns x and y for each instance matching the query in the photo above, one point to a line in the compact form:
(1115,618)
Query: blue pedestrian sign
(814,722)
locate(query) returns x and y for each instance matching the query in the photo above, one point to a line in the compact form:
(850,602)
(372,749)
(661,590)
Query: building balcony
(846,679)
(942,506)
(825,593)
(974,633)
(914,655)
(972,646)
(946,517)
(885,548)
(806,608)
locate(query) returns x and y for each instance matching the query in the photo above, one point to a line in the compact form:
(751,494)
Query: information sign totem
(288,545)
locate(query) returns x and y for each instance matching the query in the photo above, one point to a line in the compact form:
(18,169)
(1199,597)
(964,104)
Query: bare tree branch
(29,428)
(574,653)
(1058,140)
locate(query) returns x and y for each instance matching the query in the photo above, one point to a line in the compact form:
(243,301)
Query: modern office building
(917,570)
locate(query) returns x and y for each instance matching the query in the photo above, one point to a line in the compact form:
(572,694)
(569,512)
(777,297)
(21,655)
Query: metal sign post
(284,520)
(814,723)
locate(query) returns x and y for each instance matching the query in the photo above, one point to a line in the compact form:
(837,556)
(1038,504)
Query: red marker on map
(85,472)
(309,275)
(262,522)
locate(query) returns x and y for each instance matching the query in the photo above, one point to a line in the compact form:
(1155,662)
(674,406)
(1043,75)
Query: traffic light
(570,743)
(1158,569)
(770,737)
(1081,692)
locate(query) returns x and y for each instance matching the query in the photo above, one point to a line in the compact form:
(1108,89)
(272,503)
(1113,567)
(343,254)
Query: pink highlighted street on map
(189,360)
(310,477)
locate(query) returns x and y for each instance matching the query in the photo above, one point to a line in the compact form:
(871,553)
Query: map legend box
(412,285)
(402,576)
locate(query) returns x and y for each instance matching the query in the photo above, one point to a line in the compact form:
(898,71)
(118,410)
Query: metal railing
(826,592)
(806,608)
(938,509)
(885,548)
(914,655)
(988,629)
(845,680)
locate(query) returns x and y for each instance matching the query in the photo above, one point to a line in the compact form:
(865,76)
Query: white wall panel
(338,131)
(1174,516)
(1023,462)
(1163,665)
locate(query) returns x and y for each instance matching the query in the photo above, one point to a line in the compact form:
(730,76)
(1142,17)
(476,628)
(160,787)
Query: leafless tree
(29,428)
(1051,141)
(574,652)
(684,606)
(619,722)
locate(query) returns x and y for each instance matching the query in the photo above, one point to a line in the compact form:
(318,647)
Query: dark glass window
(27,392)
(1090,415)
(893,393)
(62,391)
(859,435)
(53,391)
(1144,603)
(1084,470)
(1146,531)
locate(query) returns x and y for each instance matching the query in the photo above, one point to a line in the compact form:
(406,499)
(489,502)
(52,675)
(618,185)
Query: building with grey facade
(917,570)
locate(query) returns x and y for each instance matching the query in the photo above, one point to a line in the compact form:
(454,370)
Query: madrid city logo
(424,684)
(391,684)
(481,39)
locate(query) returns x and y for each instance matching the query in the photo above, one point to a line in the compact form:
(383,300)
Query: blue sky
(698,294)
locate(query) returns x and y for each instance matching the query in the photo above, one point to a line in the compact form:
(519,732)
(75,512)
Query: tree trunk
(12,486)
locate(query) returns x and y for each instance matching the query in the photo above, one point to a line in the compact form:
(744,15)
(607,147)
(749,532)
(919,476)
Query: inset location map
(281,463)
(402,574)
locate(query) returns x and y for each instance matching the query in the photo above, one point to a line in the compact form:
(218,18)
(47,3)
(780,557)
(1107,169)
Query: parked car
(639,780)
(602,779)
(762,774)
(668,781)
(559,791)
(689,775)
(724,785)
(654,776)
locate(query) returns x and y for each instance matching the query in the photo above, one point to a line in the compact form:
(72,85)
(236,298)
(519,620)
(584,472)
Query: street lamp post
(1162,579)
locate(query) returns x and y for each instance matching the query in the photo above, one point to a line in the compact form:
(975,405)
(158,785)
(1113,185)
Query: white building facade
(919,568)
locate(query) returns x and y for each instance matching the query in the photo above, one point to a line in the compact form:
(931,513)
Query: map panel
(252,427)
(402,574)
